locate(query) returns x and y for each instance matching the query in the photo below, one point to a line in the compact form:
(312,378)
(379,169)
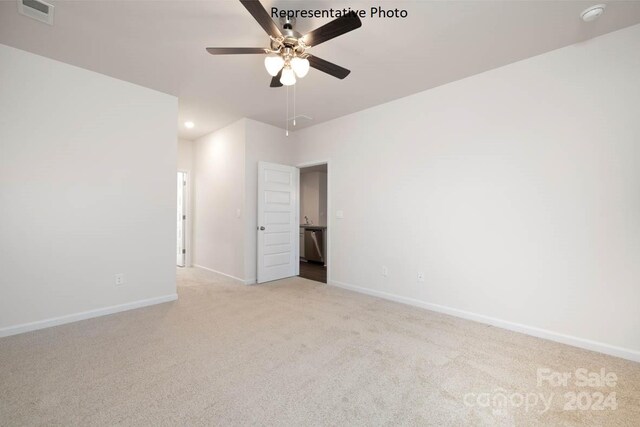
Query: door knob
(261,228)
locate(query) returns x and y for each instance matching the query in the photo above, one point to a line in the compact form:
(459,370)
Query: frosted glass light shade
(273,64)
(288,77)
(300,66)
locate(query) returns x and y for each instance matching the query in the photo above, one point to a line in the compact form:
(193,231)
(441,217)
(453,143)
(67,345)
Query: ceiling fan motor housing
(291,40)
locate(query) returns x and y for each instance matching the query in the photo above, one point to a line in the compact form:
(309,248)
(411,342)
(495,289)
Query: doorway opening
(181,219)
(313,222)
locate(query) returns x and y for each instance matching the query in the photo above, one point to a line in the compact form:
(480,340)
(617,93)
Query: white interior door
(278,224)
(180,220)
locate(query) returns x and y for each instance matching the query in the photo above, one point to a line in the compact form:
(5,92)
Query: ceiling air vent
(36,9)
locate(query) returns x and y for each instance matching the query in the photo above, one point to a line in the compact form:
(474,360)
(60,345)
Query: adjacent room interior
(313,222)
(296,213)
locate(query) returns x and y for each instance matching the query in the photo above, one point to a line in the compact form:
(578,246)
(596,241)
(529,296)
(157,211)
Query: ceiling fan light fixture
(288,77)
(300,66)
(273,64)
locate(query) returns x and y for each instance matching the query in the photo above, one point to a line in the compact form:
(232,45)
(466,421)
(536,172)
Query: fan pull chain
(294,105)
(287,126)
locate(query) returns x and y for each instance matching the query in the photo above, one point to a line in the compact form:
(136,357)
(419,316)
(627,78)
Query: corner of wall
(219,193)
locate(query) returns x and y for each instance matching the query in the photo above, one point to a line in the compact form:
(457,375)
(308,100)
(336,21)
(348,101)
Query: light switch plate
(339,214)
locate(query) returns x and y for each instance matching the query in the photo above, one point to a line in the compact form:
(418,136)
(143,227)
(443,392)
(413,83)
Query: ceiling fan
(287,56)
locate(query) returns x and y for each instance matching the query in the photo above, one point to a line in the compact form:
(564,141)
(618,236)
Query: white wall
(516,192)
(218,182)
(310,197)
(313,197)
(266,143)
(80,199)
(185,154)
(323,197)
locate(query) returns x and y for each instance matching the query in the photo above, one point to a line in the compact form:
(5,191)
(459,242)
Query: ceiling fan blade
(328,67)
(260,14)
(275,82)
(335,28)
(234,50)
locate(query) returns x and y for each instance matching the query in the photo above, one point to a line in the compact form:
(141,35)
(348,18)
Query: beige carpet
(294,352)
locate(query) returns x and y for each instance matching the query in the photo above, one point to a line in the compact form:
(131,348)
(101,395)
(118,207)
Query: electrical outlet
(119,279)
(385,271)
(420,277)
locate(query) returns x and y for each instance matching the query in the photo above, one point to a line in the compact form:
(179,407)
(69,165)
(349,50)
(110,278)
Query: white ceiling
(161,45)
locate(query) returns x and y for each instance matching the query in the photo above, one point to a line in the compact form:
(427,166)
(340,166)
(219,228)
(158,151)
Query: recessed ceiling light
(189,125)
(592,13)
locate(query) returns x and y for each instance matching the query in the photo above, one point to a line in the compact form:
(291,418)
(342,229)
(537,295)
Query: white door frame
(188,213)
(329,212)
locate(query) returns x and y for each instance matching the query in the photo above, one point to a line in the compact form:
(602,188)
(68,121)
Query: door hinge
(184,182)
(184,251)
(184,217)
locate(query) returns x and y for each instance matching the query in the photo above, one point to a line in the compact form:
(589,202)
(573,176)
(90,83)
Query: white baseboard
(246,282)
(56,321)
(624,353)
